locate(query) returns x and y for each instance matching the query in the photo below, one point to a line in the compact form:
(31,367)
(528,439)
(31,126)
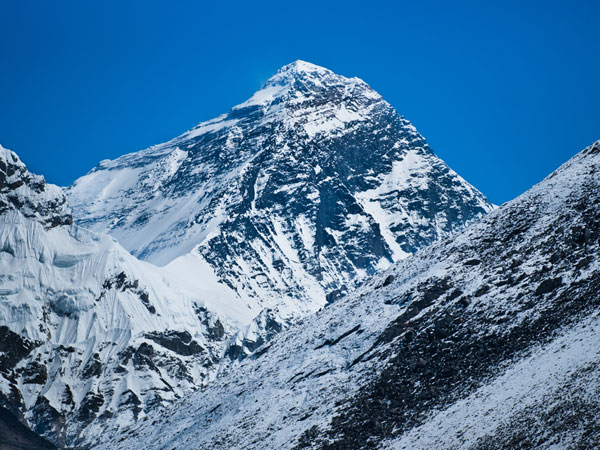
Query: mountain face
(89,335)
(487,340)
(288,200)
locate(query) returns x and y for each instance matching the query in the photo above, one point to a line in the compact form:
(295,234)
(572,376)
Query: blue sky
(503,91)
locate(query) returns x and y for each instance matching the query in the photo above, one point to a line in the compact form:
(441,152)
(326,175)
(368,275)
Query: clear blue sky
(503,91)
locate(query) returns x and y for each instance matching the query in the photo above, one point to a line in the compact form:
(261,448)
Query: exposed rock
(289,200)
(549,285)
(29,194)
(180,342)
(16,436)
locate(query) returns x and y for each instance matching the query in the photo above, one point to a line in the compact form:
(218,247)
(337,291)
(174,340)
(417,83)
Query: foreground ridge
(487,340)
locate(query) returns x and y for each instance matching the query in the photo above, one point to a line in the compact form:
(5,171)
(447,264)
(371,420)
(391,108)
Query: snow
(210,126)
(136,197)
(299,67)
(318,123)
(193,273)
(406,173)
(54,291)
(264,96)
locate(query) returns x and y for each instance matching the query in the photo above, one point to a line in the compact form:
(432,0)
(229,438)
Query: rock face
(29,194)
(289,199)
(89,335)
(487,340)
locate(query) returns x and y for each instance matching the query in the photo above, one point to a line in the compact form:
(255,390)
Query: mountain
(289,200)
(258,217)
(486,340)
(89,335)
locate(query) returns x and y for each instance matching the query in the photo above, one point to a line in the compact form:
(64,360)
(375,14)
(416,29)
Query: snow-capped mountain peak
(302,67)
(298,70)
(289,199)
(300,82)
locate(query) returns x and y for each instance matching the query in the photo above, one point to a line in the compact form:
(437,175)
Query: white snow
(210,126)
(264,96)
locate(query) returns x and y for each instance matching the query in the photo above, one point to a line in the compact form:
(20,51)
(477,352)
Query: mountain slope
(88,334)
(312,184)
(487,340)
(16,436)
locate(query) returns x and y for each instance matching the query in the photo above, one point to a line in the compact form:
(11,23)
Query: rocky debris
(330,342)
(472,262)
(549,285)
(574,406)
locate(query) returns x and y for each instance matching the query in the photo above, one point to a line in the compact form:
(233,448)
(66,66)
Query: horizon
(95,83)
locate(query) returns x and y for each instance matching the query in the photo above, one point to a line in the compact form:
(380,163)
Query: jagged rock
(547,286)
(14,348)
(29,194)
(180,342)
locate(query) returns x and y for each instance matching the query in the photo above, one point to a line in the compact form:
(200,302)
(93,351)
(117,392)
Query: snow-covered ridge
(488,339)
